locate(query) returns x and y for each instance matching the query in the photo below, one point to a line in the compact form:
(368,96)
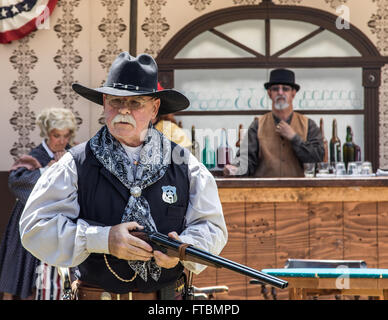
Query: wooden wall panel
(360,232)
(292,237)
(326,230)
(382,234)
(260,226)
(234,250)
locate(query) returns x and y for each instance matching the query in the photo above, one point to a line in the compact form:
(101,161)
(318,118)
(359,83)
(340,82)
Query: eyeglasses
(131,103)
(277,88)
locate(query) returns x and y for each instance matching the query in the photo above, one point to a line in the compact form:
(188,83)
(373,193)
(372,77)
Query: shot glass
(323,167)
(352,169)
(340,169)
(366,168)
(309,170)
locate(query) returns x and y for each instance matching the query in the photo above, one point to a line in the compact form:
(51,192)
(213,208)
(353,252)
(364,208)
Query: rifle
(186,252)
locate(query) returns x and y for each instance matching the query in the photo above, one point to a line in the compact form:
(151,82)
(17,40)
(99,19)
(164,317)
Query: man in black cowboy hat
(280,141)
(128,176)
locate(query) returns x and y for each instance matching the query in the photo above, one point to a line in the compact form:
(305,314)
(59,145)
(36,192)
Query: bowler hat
(135,76)
(282,76)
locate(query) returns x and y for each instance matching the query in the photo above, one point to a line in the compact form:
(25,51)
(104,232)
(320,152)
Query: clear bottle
(223,151)
(208,155)
(335,145)
(238,142)
(194,145)
(325,146)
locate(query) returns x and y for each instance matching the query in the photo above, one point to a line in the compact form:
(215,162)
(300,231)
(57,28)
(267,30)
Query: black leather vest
(102,199)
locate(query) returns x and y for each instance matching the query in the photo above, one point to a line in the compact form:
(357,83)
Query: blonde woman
(22,276)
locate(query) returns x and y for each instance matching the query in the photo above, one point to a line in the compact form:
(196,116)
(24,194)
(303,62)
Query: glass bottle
(325,146)
(239,136)
(194,144)
(357,152)
(348,147)
(335,145)
(223,150)
(208,155)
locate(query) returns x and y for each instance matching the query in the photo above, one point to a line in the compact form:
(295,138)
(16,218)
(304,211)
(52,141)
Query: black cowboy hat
(130,76)
(282,76)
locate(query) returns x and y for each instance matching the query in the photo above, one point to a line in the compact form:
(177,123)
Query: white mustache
(124,118)
(280,97)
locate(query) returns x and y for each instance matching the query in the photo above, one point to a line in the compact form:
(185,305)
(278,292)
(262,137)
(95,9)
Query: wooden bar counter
(271,220)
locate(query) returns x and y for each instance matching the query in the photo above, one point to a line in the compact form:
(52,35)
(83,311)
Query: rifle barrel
(220,261)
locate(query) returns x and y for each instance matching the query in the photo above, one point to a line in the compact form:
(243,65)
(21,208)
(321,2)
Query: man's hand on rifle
(125,246)
(166,261)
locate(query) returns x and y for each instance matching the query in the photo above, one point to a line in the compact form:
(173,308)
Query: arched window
(222,59)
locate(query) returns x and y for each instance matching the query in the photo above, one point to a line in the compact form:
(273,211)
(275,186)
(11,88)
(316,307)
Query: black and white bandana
(154,160)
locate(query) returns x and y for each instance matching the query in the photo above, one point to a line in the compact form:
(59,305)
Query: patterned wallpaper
(84,37)
(81,42)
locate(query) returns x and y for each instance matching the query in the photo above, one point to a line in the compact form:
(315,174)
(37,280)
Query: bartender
(280,141)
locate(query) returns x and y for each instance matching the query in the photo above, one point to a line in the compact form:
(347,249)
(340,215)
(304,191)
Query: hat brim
(171,100)
(294,85)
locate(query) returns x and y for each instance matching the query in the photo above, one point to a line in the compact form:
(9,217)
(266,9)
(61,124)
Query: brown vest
(276,156)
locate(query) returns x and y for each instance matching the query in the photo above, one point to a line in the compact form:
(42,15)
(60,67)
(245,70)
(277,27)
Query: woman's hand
(58,155)
(51,163)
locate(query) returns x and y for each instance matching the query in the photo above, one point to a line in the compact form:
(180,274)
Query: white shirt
(49,152)
(51,230)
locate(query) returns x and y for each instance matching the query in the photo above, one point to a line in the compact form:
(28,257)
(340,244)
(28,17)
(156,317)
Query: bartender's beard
(281,103)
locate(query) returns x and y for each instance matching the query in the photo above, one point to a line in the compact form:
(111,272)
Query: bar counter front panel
(271,220)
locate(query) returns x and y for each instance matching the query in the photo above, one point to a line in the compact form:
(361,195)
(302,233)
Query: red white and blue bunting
(19,18)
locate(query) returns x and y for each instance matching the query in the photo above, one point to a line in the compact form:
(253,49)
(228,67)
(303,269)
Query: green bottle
(208,155)
(348,147)
(335,145)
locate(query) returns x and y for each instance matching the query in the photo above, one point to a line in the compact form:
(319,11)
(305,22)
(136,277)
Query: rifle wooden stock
(186,252)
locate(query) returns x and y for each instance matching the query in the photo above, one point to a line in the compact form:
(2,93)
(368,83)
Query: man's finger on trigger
(137,242)
(133,250)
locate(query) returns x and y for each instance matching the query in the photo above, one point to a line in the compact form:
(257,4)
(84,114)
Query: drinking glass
(323,167)
(352,169)
(359,167)
(366,168)
(309,169)
(340,169)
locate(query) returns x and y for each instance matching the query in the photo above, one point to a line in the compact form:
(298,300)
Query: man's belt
(87,292)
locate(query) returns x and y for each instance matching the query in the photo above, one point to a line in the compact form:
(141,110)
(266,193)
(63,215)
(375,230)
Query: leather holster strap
(87,292)
(182,251)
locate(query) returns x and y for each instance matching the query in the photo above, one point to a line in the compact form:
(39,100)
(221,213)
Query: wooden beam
(272,62)
(308,194)
(259,112)
(133,28)
(299,42)
(235,43)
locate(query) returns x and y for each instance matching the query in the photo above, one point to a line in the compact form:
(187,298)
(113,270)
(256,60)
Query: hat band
(129,87)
